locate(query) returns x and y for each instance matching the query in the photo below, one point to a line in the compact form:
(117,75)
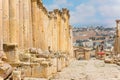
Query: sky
(88,12)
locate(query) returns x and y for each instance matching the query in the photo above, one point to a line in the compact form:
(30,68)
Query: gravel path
(89,70)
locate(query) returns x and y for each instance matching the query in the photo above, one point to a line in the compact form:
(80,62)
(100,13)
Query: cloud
(110,10)
(59,4)
(83,14)
(96,12)
(90,11)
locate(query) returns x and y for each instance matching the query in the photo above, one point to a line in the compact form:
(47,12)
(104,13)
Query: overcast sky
(88,12)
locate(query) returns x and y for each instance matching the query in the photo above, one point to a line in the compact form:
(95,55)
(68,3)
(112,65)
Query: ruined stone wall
(29,24)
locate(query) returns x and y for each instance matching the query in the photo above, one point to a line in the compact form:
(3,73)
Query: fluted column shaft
(34,22)
(13,21)
(6,21)
(1,27)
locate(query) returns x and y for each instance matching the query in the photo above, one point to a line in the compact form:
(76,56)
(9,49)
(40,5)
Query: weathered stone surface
(31,37)
(11,51)
(34,78)
(1,78)
(5,70)
(116,46)
(24,57)
(16,75)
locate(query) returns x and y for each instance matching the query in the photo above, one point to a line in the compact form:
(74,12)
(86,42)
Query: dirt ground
(89,70)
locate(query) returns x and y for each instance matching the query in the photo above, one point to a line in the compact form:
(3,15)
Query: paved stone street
(89,70)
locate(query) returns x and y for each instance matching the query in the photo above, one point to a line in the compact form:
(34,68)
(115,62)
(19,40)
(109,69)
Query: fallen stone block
(109,60)
(37,60)
(44,70)
(26,71)
(16,75)
(24,57)
(5,70)
(43,55)
(118,63)
(33,50)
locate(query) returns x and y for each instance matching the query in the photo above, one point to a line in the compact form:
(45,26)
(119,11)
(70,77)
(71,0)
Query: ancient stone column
(17,21)
(5,21)
(71,43)
(117,38)
(40,24)
(34,21)
(13,21)
(63,35)
(38,35)
(21,35)
(66,29)
(45,27)
(41,27)
(55,34)
(118,27)
(30,25)
(58,25)
(1,27)
(26,23)
(50,28)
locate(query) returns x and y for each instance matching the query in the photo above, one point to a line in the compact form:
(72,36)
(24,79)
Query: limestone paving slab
(89,70)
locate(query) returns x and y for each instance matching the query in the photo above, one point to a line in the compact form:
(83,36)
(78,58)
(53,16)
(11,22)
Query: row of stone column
(61,31)
(28,23)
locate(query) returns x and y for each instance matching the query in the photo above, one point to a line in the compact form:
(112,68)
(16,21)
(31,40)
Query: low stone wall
(38,65)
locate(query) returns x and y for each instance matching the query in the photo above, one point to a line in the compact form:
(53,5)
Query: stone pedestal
(59,64)
(42,71)
(26,71)
(11,52)
(67,61)
(87,55)
(63,62)
(54,65)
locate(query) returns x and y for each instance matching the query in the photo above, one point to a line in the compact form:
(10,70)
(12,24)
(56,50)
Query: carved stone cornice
(45,11)
(117,21)
(51,14)
(63,18)
(40,4)
(57,11)
(65,11)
